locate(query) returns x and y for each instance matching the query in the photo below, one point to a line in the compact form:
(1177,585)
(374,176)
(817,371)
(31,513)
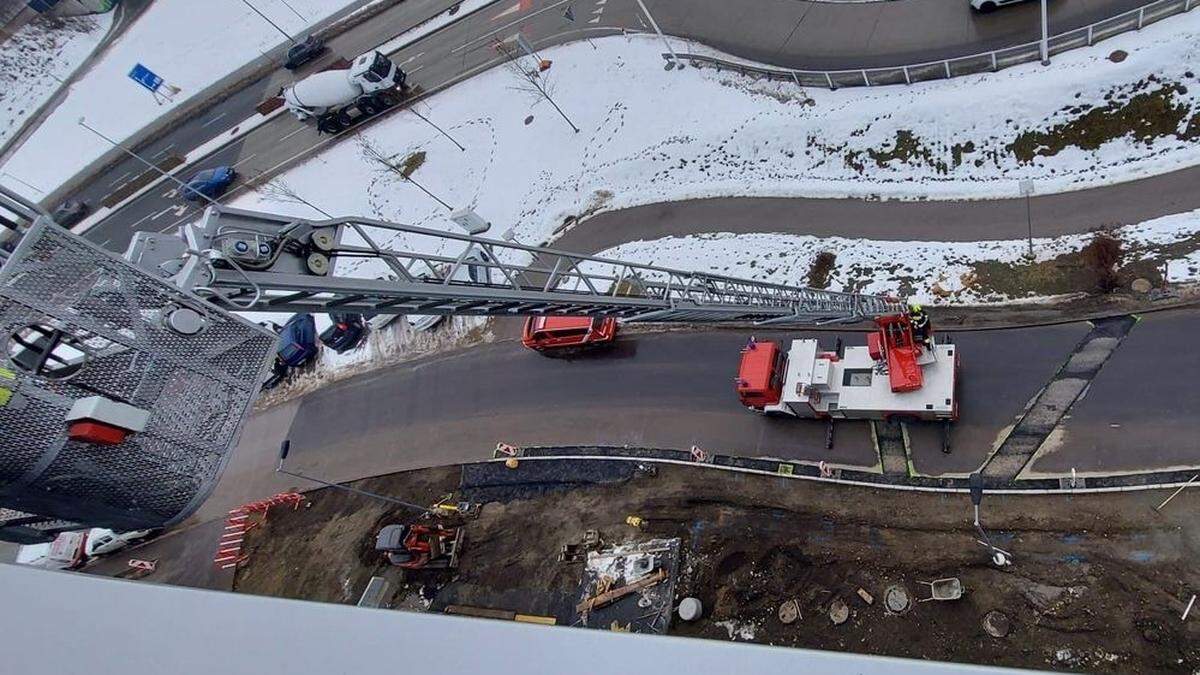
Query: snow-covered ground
(650,135)
(929,272)
(189,44)
(38,58)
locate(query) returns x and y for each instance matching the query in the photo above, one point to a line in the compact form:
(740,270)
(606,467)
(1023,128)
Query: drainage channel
(890,443)
(1056,398)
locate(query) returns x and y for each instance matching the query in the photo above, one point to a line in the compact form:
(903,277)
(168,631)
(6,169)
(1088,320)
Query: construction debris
(789,612)
(609,597)
(996,624)
(866,597)
(1188,610)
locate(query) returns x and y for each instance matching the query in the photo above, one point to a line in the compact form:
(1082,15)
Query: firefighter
(922,329)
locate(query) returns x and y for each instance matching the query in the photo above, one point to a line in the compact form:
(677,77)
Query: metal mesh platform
(106,316)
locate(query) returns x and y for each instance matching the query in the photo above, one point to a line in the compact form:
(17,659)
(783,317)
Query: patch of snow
(190,45)
(891,267)
(650,135)
(35,60)
(738,630)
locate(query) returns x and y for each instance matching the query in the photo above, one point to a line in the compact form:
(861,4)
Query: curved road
(789,32)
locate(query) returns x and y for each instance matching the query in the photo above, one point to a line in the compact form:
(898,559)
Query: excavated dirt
(1098,584)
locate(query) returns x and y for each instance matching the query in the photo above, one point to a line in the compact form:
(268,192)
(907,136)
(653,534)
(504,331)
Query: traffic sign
(145,77)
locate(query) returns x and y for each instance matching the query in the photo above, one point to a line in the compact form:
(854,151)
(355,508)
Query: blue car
(211,183)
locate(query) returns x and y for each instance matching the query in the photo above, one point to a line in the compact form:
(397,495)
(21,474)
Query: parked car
(70,212)
(211,183)
(565,335)
(346,333)
(304,51)
(296,348)
(989,5)
(102,542)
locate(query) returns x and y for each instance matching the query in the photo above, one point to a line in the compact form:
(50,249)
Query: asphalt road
(674,390)
(788,32)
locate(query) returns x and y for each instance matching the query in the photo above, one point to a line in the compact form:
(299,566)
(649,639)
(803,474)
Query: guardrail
(963,65)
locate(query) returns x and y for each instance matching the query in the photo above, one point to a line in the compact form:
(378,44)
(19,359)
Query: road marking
(211,121)
(412,58)
(162,213)
(119,179)
(520,6)
(171,194)
(244,160)
(105,242)
(413,70)
(163,151)
(140,221)
(293,134)
(493,32)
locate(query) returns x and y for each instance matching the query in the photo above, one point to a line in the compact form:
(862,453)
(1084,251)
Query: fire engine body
(893,376)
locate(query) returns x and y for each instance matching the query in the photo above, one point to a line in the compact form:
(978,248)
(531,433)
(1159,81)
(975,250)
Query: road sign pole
(676,63)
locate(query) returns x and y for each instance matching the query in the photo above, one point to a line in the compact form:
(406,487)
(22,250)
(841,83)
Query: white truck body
(66,551)
(335,98)
(817,384)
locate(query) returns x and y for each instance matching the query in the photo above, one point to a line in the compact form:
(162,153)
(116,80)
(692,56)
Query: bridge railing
(973,64)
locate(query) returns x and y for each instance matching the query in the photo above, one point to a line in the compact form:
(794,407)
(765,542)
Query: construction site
(691,401)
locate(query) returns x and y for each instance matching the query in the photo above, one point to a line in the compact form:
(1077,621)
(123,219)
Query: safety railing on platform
(973,64)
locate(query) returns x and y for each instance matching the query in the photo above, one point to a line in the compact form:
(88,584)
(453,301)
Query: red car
(555,335)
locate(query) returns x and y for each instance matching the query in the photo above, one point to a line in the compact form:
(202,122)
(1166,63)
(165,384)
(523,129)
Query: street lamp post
(1000,558)
(1045,37)
(1026,187)
(285,447)
(273,24)
(675,62)
(155,167)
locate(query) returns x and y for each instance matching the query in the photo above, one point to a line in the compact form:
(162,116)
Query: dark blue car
(210,183)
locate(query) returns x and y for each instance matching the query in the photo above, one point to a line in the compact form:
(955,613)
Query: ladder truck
(163,316)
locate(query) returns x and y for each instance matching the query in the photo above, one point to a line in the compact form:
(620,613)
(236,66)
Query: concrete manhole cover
(1118,56)
(839,612)
(996,624)
(897,599)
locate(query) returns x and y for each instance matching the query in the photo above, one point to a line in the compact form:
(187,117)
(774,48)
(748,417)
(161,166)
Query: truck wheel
(329,125)
(345,119)
(367,107)
(385,100)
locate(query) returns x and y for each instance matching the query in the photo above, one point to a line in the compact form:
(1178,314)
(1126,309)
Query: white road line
(163,151)
(162,213)
(412,58)
(119,179)
(410,71)
(293,134)
(213,120)
(510,24)
(245,159)
(105,242)
(139,222)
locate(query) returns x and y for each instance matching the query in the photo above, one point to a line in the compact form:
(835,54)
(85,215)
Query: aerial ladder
(155,333)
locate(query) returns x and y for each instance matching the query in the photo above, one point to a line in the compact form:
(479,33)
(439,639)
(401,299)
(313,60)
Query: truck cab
(375,72)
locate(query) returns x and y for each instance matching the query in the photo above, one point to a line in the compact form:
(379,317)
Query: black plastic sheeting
(495,482)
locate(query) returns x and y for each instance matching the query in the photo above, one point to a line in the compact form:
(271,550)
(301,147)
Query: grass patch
(1144,117)
(411,163)
(819,270)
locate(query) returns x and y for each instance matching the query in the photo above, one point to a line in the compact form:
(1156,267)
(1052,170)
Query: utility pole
(1045,36)
(675,62)
(183,186)
(273,24)
(298,14)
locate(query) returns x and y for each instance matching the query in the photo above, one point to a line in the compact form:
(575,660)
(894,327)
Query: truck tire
(329,125)
(385,100)
(345,119)
(367,106)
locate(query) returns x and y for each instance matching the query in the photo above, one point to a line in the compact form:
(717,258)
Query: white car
(102,542)
(989,5)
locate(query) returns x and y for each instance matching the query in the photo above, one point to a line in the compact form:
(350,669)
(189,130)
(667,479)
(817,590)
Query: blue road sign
(145,77)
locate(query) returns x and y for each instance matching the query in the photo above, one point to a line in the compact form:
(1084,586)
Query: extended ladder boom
(267,262)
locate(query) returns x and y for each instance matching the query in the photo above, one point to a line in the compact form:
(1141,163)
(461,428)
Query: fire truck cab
(894,375)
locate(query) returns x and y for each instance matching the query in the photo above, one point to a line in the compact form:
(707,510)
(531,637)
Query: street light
(1000,558)
(1045,37)
(286,446)
(273,24)
(164,174)
(675,62)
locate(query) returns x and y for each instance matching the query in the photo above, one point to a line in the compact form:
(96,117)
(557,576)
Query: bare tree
(531,81)
(280,191)
(374,154)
